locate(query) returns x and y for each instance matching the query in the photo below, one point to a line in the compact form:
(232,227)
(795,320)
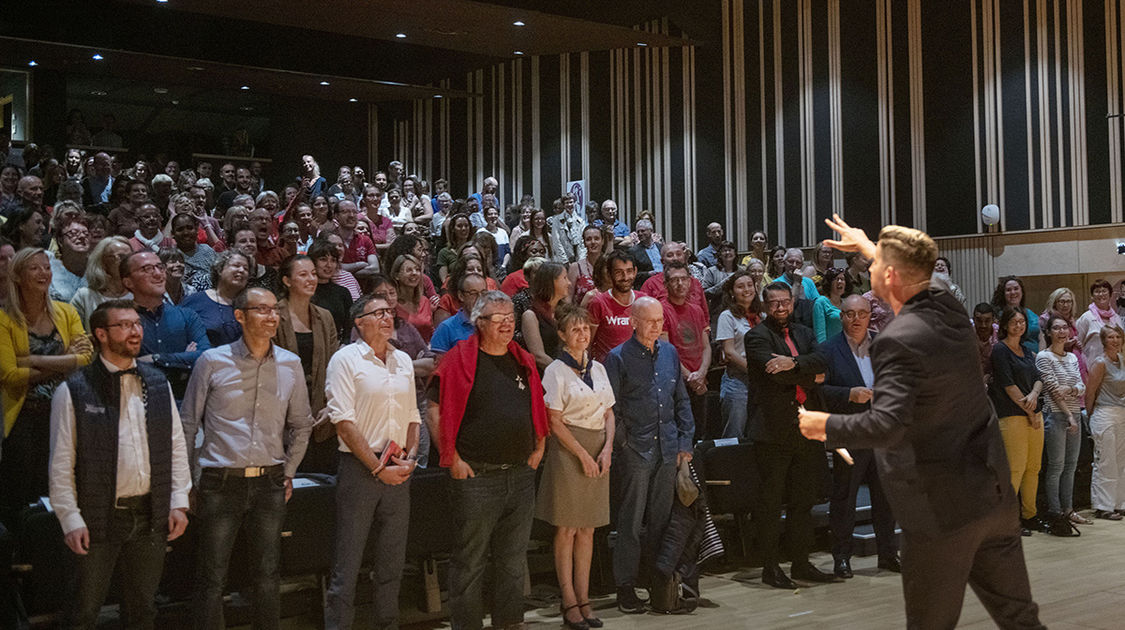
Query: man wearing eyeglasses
(371,402)
(119,471)
(785,367)
(250,397)
(847,389)
(459,327)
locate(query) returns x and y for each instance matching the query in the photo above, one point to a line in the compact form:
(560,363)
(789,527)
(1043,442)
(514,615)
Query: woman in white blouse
(574,491)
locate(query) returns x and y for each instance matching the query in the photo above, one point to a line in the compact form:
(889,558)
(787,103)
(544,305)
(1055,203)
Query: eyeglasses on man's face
(379,313)
(263,309)
(500,318)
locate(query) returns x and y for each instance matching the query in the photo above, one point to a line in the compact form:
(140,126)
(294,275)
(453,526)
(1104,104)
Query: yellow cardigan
(14,344)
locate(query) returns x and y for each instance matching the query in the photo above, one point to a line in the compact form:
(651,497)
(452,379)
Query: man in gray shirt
(251,399)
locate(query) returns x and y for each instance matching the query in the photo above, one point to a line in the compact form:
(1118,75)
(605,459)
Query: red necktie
(793,348)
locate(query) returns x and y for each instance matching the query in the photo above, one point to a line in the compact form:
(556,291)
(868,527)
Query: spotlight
(325,83)
(97,57)
(245,87)
(642,44)
(400,35)
(353,100)
(518,23)
(33,63)
(518,52)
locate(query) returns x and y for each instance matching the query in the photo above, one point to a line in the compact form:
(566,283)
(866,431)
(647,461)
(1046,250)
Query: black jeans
(135,548)
(226,504)
(790,474)
(841,510)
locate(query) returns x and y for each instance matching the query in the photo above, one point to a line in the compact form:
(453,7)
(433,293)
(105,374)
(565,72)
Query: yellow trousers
(1024,445)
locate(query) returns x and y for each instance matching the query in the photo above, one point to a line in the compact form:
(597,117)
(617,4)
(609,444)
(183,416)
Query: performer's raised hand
(851,239)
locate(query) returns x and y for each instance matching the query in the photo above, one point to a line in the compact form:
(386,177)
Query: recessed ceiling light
(517,52)
(518,23)
(246,108)
(325,83)
(437,96)
(175,102)
(245,87)
(98,93)
(642,44)
(195,68)
(97,57)
(400,35)
(33,63)
(353,100)
(161,1)
(160,90)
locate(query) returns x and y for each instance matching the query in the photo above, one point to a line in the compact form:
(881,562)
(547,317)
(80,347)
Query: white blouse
(580,406)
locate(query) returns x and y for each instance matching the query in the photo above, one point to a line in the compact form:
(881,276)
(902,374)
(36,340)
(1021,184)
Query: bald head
(30,189)
(673,252)
(647,318)
(855,313)
(794,258)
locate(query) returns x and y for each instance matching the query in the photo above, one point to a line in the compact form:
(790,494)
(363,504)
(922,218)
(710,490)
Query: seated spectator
(288,238)
(343,278)
(246,241)
(549,286)
(743,311)
(68,267)
(306,227)
(759,248)
(459,327)
(413,306)
(449,302)
(526,248)
(322,214)
(214,306)
(821,263)
(1098,315)
(857,267)
(360,256)
(1009,292)
(609,218)
(198,257)
(523,225)
(645,250)
(835,286)
(330,296)
(174,288)
(148,235)
(415,195)
(26,227)
(10,201)
(268,253)
(124,217)
(41,341)
(458,231)
(1062,432)
(486,246)
(1105,402)
(499,232)
(398,213)
(62,215)
(174,337)
(709,255)
(103,277)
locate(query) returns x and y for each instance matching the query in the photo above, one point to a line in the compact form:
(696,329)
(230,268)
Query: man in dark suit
(847,389)
(937,443)
(784,368)
(644,251)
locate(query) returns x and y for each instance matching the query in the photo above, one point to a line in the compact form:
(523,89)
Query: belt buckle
(505,466)
(253,471)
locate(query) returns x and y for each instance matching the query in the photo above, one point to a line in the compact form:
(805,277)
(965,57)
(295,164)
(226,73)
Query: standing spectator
(821,263)
(103,277)
(1099,315)
(1105,402)
(646,250)
(312,184)
(1015,394)
(858,264)
(709,255)
(943,270)
(1062,432)
(525,249)
(245,476)
(566,232)
(549,287)
(654,286)
(574,492)
(688,328)
(68,267)
(98,182)
(984,324)
(1009,292)
(610,311)
(492,452)
(458,231)
(1061,302)
(117,506)
(834,286)
(372,403)
(785,366)
(459,326)
(847,388)
(581,273)
(330,296)
(413,306)
(215,306)
(41,341)
(740,297)
(198,257)
(499,232)
(174,288)
(652,438)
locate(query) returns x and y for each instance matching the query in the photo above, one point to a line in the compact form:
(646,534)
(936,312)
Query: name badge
(91,408)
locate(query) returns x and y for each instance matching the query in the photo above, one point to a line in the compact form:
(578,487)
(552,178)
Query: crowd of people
(189,340)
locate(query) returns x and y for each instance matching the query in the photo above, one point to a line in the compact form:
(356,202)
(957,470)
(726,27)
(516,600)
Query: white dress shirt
(862,355)
(134,475)
(377,396)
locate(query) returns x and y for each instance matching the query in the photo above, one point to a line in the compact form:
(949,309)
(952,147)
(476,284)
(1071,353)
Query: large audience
(183,339)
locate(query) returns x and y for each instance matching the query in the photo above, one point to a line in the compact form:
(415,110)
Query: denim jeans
(733,395)
(644,501)
(361,501)
(492,514)
(225,504)
(136,549)
(1062,449)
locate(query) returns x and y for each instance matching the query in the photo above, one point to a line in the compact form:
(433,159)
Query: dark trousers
(365,505)
(492,514)
(135,550)
(841,509)
(790,474)
(644,495)
(226,504)
(987,554)
(25,462)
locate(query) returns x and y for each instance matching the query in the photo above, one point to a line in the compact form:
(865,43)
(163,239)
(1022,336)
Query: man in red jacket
(489,420)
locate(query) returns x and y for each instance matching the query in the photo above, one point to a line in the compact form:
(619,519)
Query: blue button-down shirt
(249,409)
(653,410)
(452,330)
(168,331)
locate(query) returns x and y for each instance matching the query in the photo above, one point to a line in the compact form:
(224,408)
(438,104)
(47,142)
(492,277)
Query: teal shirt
(826,319)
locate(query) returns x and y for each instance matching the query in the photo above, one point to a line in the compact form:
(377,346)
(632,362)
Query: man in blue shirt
(710,255)
(174,337)
(654,431)
(459,327)
(609,217)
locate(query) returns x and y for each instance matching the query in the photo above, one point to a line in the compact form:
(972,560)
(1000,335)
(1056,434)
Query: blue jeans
(136,549)
(733,395)
(226,504)
(362,500)
(645,491)
(1061,449)
(492,514)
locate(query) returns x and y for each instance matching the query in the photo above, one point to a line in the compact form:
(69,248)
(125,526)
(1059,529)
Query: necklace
(519,381)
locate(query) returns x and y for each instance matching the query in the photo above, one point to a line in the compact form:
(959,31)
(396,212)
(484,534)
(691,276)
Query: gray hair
(486,298)
(240,200)
(445,196)
(643,223)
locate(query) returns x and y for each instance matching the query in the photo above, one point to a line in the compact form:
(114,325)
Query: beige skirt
(567,497)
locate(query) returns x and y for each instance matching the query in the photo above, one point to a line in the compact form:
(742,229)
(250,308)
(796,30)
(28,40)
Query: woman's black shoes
(573,625)
(593,622)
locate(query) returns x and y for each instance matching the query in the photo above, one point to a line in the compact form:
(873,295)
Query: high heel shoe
(593,622)
(573,625)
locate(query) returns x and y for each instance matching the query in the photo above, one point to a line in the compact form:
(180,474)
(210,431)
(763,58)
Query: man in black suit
(784,368)
(847,389)
(643,251)
(937,443)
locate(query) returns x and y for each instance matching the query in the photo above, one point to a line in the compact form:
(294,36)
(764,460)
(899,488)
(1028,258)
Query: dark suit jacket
(842,375)
(777,393)
(644,264)
(937,442)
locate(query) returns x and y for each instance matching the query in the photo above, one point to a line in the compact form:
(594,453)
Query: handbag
(669,595)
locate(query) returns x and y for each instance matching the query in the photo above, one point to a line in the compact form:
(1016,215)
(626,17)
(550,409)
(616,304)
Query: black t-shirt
(497,427)
(336,300)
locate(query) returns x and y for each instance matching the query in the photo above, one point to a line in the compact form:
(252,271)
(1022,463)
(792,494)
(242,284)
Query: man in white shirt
(566,233)
(119,473)
(372,403)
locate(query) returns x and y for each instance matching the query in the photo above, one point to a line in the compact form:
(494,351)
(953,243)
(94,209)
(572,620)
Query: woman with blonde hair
(41,341)
(413,306)
(103,277)
(1061,302)
(312,184)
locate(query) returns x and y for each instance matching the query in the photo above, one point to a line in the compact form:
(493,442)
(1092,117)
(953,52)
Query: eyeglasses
(127,326)
(781,302)
(471,294)
(379,313)
(76,234)
(854,314)
(262,309)
(500,318)
(151,268)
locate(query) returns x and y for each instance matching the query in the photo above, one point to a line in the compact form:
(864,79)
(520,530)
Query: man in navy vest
(119,474)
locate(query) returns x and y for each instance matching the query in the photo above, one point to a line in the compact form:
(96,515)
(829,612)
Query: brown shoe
(1107,515)
(1078,519)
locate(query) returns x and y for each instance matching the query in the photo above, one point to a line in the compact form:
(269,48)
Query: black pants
(841,510)
(26,459)
(790,475)
(987,554)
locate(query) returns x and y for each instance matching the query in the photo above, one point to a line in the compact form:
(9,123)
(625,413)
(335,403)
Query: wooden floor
(1077,582)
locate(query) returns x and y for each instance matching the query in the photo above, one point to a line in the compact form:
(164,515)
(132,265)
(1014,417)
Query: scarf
(583,369)
(151,243)
(1103,315)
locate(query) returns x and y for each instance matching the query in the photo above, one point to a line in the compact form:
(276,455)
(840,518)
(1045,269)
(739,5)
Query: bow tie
(132,370)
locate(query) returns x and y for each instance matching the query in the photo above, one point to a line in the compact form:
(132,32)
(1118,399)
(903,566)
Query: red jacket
(456,372)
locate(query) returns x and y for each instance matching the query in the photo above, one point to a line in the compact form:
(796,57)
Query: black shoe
(1036,524)
(890,563)
(628,602)
(574,625)
(776,578)
(808,573)
(1107,515)
(842,567)
(593,622)
(1025,531)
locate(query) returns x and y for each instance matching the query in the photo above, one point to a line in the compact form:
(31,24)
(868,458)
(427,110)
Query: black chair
(431,532)
(43,561)
(731,476)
